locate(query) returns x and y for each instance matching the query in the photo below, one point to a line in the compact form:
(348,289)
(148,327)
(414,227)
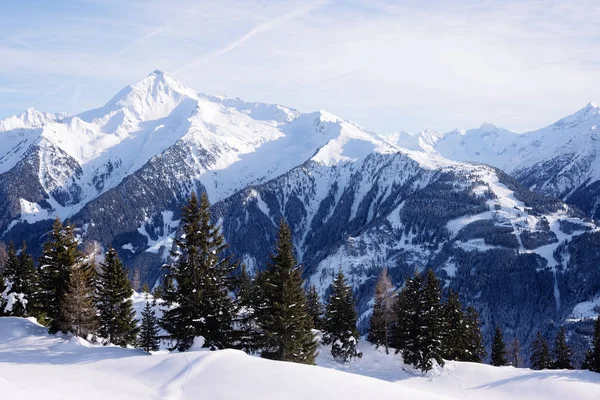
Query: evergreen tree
(113,300)
(562,351)
(199,304)
(474,341)
(498,349)
(419,322)
(407,327)
(540,353)
(245,323)
(285,327)
(148,338)
(455,332)
(60,256)
(382,318)
(339,325)
(78,312)
(515,353)
(592,357)
(315,308)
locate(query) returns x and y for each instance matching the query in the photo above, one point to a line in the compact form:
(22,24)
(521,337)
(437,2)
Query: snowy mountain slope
(560,160)
(36,365)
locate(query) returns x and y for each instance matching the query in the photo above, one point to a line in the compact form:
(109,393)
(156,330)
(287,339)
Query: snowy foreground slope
(36,365)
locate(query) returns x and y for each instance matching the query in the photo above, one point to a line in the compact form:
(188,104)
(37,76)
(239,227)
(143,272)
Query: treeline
(206,293)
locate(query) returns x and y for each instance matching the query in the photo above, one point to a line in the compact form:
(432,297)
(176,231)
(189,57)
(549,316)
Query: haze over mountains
(355,200)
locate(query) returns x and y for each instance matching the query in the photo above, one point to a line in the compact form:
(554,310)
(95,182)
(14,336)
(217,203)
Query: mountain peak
(153,97)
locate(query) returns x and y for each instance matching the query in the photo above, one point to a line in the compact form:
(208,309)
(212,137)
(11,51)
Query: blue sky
(387,65)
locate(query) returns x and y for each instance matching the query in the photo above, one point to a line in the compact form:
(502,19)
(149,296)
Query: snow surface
(35,365)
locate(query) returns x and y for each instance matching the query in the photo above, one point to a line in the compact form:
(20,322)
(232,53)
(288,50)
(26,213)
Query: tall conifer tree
(455,331)
(339,324)
(562,351)
(315,307)
(498,349)
(113,300)
(474,344)
(148,338)
(285,327)
(540,353)
(60,256)
(199,304)
(592,357)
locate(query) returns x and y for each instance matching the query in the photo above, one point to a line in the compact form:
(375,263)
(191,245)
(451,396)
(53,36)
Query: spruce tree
(419,322)
(498,349)
(382,318)
(455,330)
(3,301)
(592,357)
(562,351)
(315,308)
(59,257)
(148,338)
(339,324)
(540,353)
(408,325)
(245,324)
(285,327)
(199,304)
(474,341)
(78,312)
(117,321)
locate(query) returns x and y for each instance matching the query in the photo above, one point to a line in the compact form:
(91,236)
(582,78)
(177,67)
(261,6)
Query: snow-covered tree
(117,321)
(339,324)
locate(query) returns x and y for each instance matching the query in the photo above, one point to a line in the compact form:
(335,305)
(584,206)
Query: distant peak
(157,72)
(488,125)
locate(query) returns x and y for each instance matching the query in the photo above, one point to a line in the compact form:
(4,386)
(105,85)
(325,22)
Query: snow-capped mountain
(355,200)
(560,160)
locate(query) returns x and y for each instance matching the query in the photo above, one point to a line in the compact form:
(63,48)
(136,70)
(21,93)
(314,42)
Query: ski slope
(35,365)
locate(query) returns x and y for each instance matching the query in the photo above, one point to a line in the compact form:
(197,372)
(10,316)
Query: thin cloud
(259,29)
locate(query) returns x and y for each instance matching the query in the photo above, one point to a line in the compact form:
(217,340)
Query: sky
(386,65)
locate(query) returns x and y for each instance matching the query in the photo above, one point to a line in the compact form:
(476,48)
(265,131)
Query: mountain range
(506,219)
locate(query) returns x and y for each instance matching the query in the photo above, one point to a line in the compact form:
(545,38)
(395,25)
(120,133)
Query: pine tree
(407,328)
(245,321)
(455,331)
(474,341)
(592,357)
(515,353)
(315,308)
(285,327)
(60,256)
(148,338)
(78,312)
(418,332)
(3,301)
(117,321)
(382,319)
(562,351)
(498,349)
(339,325)
(199,304)
(540,353)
